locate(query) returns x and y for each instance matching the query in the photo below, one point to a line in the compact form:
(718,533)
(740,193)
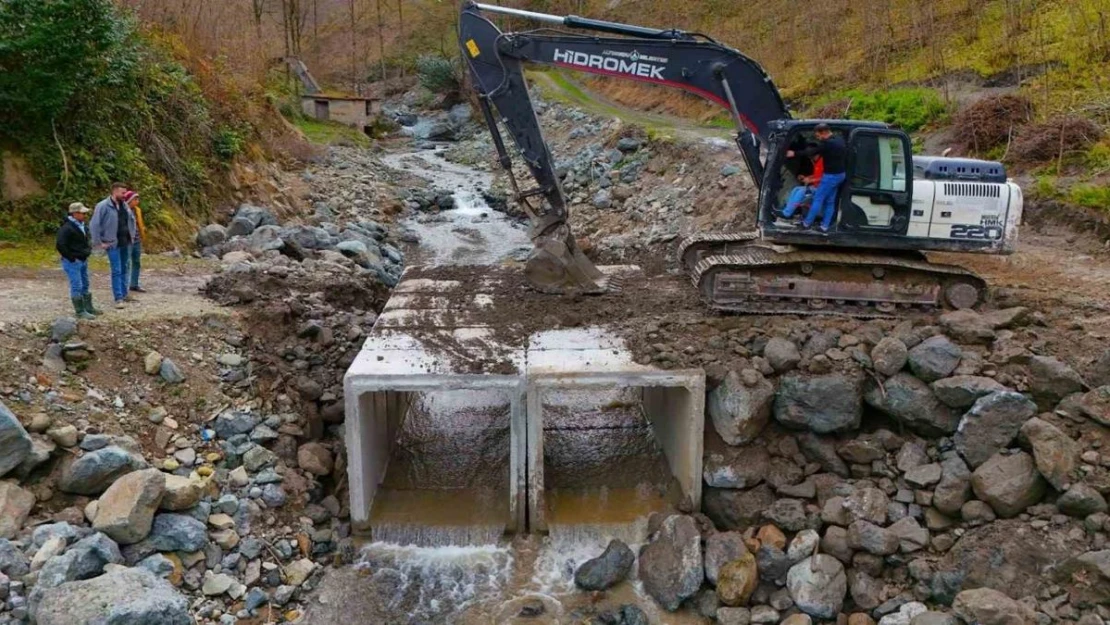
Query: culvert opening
(603,469)
(604,456)
(437,466)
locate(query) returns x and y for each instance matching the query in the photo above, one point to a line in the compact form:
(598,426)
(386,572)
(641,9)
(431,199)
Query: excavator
(892,207)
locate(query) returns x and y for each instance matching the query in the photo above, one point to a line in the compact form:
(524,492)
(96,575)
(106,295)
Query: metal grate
(971,189)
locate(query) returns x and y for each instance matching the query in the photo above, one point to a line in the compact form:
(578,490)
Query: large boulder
(671,567)
(741,406)
(985,606)
(781,354)
(1093,568)
(1009,556)
(606,570)
(968,326)
(211,236)
(821,404)
(935,358)
(720,549)
(240,227)
(15,443)
(1081,500)
(169,532)
(1051,380)
(309,237)
(991,424)
(1009,483)
(1095,405)
(818,586)
(961,391)
(823,451)
(125,511)
(737,581)
(181,493)
(94,472)
(1056,454)
(954,488)
(741,467)
(86,558)
(737,509)
(120,597)
(1099,372)
(889,356)
(15,506)
(911,402)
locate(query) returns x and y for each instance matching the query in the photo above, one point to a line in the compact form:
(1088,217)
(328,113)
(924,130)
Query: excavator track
(759,279)
(695,247)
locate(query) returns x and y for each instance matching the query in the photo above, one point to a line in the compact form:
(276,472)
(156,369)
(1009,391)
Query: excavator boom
(690,62)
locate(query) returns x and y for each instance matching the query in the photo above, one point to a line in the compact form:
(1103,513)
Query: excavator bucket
(557,265)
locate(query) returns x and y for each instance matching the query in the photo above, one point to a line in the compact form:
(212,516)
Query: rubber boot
(89,308)
(79,307)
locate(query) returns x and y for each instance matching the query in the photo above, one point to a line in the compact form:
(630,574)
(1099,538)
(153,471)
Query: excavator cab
(875,199)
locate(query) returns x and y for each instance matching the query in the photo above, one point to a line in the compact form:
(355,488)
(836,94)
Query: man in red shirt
(803,193)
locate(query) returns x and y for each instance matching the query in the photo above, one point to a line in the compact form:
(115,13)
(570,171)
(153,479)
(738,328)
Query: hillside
(89,96)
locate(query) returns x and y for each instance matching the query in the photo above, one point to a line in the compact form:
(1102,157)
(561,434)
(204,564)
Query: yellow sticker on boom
(472,47)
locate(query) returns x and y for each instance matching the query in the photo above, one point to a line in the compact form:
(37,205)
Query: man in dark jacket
(74,247)
(834,154)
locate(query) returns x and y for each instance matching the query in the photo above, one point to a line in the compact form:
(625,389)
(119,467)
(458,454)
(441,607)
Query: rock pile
(207,520)
(893,474)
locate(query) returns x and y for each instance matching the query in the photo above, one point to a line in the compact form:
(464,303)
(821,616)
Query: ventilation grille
(969,189)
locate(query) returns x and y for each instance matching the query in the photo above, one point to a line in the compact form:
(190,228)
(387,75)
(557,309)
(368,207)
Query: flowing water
(440,552)
(472,233)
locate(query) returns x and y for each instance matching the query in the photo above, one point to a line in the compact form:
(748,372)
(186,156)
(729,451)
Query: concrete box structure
(437,335)
(350,110)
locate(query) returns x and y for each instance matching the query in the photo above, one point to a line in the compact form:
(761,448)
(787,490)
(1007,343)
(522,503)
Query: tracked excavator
(892,207)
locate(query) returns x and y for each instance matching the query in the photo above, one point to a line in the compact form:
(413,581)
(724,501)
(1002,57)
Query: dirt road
(42,295)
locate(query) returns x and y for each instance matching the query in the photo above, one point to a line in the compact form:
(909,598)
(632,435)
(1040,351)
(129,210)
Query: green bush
(228,143)
(438,74)
(90,99)
(1091,196)
(909,108)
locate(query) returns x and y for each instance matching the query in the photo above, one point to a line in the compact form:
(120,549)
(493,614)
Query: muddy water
(440,553)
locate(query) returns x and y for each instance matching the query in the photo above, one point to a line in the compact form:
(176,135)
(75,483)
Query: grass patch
(1091,196)
(331,133)
(910,109)
(40,254)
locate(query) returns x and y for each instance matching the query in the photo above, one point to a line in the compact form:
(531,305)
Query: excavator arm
(693,63)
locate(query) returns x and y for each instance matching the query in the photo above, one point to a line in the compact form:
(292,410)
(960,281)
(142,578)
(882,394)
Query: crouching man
(74,247)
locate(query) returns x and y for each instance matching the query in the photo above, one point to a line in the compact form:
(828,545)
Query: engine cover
(969,169)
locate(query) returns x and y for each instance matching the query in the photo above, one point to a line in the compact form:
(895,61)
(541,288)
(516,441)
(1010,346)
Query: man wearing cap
(73,245)
(113,230)
(131,198)
(834,153)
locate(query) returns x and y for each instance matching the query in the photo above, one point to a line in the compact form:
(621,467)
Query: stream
(440,552)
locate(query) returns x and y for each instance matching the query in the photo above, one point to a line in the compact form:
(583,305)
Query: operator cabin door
(879,187)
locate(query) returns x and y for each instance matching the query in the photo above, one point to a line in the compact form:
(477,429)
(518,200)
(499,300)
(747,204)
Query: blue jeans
(824,200)
(136,263)
(78,274)
(119,258)
(797,196)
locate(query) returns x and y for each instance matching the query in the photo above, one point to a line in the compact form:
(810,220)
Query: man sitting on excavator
(802,195)
(834,153)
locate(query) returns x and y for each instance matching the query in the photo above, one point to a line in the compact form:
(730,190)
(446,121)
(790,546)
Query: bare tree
(381,36)
(401,28)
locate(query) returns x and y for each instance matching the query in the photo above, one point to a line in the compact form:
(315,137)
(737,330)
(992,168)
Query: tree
(43,63)
(381,36)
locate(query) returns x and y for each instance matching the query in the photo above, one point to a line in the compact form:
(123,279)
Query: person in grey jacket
(113,230)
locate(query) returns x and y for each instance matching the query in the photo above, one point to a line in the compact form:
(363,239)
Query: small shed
(351,110)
